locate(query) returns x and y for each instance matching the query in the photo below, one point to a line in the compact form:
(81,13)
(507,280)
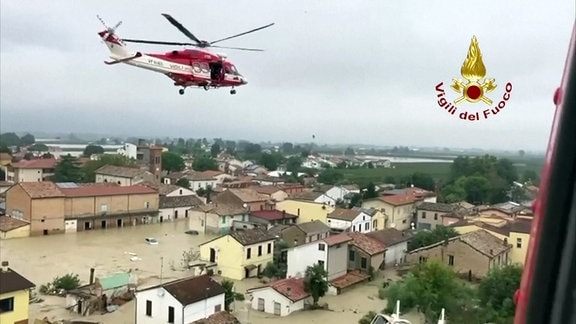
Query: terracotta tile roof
(251,236)
(344,214)
(180,201)
(94,191)
(390,236)
(43,189)
(437,207)
(36,164)
(267,190)
(211,173)
(291,288)
(313,227)
(219,318)
(192,289)
(222,209)
(485,243)
(200,176)
(249,195)
(11,281)
(349,279)
(521,226)
(367,243)
(337,239)
(306,195)
(369,211)
(8,223)
(164,189)
(405,196)
(276,230)
(118,171)
(399,200)
(272,214)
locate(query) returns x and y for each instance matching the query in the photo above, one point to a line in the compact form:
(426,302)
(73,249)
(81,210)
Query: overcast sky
(346,71)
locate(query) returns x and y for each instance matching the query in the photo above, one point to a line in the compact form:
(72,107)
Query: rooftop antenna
(161,268)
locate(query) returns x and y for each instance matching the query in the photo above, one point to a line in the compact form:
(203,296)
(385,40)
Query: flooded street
(40,259)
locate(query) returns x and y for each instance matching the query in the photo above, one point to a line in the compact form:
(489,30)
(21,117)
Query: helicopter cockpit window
(231,69)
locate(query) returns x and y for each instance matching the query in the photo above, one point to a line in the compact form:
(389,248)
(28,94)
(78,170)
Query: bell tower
(155,161)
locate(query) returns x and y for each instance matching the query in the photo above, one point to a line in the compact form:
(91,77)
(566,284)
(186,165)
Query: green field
(437,170)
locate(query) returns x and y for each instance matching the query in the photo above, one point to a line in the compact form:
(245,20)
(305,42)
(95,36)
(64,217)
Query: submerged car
(151,241)
(192,232)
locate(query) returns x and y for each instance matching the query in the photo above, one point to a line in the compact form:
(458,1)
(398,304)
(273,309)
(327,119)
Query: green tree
(38,147)
(215,149)
(425,238)
(27,139)
(530,176)
(271,161)
(106,159)
(367,319)
(496,292)
(172,162)
(429,287)
(294,164)
(183,182)
(5,149)
(453,193)
(330,176)
(349,152)
(203,163)
(91,149)
(287,148)
(67,170)
(10,139)
(370,191)
(316,282)
(229,293)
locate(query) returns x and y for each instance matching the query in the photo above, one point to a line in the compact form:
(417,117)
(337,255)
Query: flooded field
(40,259)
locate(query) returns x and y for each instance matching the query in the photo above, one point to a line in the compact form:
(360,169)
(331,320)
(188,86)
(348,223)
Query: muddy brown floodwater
(42,258)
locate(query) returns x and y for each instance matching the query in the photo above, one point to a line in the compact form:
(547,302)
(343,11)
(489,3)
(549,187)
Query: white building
(181,301)
(129,150)
(352,220)
(202,180)
(281,297)
(175,202)
(342,192)
(396,244)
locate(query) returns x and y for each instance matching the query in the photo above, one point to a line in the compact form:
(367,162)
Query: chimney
(505,241)
(4,266)
(91,275)
(283,214)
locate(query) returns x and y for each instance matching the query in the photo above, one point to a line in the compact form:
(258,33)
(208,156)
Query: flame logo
(473,70)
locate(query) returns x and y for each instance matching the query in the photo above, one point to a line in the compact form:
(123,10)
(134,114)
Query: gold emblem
(474,71)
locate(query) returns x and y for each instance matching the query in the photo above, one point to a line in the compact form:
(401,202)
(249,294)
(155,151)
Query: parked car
(192,232)
(151,241)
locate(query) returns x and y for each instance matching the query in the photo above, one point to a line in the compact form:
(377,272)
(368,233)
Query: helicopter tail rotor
(109,30)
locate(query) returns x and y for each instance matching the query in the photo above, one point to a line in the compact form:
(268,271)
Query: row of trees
(431,286)
(12,139)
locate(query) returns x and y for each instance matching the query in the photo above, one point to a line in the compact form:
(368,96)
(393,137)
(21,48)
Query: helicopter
(188,67)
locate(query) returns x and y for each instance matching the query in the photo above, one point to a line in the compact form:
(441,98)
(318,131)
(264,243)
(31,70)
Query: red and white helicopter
(188,67)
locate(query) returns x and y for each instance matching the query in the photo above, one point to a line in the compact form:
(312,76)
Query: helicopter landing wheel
(181,91)
(206,87)
(233,91)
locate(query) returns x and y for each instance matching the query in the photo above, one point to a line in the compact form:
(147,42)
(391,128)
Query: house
(378,218)
(95,296)
(418,193)
(11,227)
(14,296)
(5,159)
(274,193)
(124,176)
(303,233)
(349,220)
(429,215)
(180,301)
(246,197)
(474,253)
(175,202)
(306,211)
(281,298)
(239,254)
(201,180)
(508,210)
(291,188)
(343,192)
(217,217)
(314,196)
(31,170)
(330,252)
(519,237)
(52,208)
(218,175)
(365,253)
(272,217)
(396,243)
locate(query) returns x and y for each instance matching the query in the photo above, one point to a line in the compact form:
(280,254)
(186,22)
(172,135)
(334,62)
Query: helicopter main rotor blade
(240,48)
(182,28)
(157,42)
(241,34)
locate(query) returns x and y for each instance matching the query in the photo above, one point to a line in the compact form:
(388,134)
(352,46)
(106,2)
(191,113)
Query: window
(519,243)
(170,314)
(7,305)
(103,208)
(435,216)
(146,205)
(180,191)
(423,215)
(366,226)
(269,248)
(259,250)
(450,260)
(223,219)
(321,263)
(422,259)
(351,255)
(217,308)
(149,308)
(321,247)
(363,263)
(248,253)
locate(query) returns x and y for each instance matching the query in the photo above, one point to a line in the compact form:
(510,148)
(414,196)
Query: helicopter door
(215,71)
